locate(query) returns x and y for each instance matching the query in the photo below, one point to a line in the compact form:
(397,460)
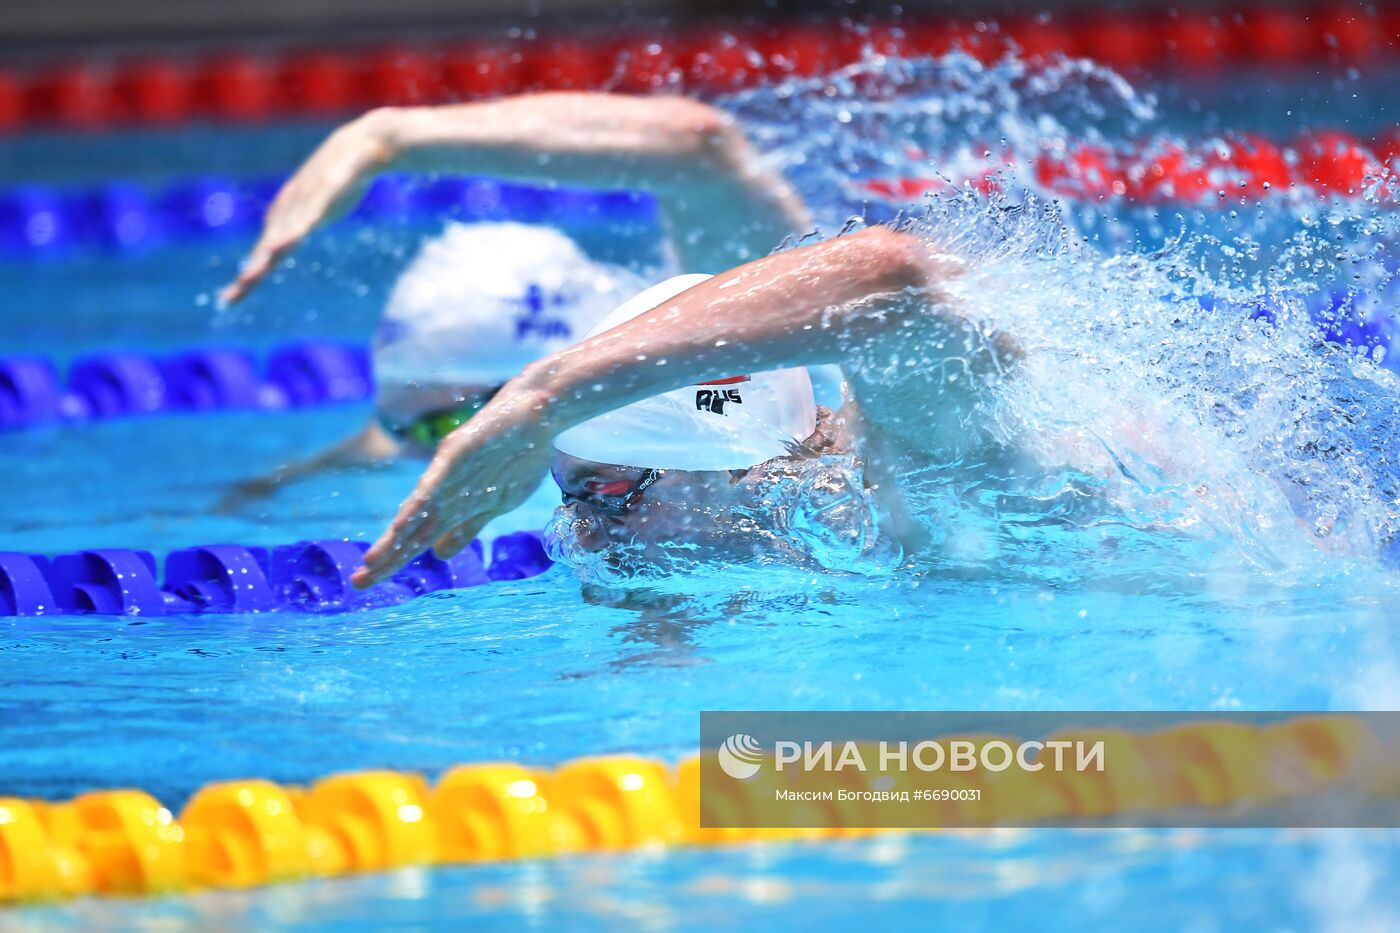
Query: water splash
(1192,373)
(803,514)
(894,117)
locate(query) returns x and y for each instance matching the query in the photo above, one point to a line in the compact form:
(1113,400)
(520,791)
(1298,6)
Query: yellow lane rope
(243,833)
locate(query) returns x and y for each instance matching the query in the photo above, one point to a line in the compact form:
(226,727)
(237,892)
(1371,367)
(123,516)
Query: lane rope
(308,576)
(124,217)
(302,374)
(249,86)
(39,220)
(121,383)
(248,833)
(1166,172)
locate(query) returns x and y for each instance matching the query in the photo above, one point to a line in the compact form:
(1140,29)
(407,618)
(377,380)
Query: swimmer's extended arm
(877,289)
(724,205)
(371,445)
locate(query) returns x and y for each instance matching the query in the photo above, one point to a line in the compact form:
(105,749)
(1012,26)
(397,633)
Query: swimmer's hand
(485,468)
(247,492)
(326,186)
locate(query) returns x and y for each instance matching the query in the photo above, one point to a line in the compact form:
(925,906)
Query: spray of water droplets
(1192,373)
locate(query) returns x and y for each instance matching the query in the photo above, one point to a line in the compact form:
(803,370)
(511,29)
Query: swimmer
(475,304)
(643,424)
(442,348)
(720,364)
(646,473)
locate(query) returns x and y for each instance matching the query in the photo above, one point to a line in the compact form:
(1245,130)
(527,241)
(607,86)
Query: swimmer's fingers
(462,489)
(422,519)
(294,213)
(450,544)
(260,261)
(405,540)
(325,186)
(473,511)
(413,529)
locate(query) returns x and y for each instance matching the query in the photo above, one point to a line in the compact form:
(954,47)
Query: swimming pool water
(537,671)
(1153,881)
(531,671)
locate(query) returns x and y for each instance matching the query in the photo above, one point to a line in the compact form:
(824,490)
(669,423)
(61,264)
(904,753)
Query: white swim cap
(731,423)
(482,300)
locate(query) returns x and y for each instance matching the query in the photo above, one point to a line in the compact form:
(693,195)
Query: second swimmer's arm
(371,445)
(811,305)
(720,200)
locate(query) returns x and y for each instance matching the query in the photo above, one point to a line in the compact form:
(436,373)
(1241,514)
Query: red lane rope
(1166,171)
(240,86)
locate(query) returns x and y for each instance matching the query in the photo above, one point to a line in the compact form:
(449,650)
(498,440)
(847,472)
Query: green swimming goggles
(428,429)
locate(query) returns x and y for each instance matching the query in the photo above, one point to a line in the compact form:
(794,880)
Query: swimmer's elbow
(708,132)
(379,120)
(382,130)
(700,118)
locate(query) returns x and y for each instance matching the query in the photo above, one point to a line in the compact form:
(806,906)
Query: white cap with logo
(733,422)
(481,301)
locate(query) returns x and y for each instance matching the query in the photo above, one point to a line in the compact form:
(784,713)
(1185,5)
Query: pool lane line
(261,85)
(128,383)
(303,374)
(223,579)
(248,833)
(129,219)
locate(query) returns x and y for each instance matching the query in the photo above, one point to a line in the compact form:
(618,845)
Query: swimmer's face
(649,509)
(419,416)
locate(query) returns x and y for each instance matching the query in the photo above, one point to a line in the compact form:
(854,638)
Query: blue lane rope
(121,383)
(309,576)
(123,216)
(307,373)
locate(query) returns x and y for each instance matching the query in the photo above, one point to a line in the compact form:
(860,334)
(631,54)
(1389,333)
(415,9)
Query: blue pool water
(1046,880)
(1149,614)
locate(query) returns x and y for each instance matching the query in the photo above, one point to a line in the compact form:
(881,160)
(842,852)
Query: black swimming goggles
(616,497)
(428,429)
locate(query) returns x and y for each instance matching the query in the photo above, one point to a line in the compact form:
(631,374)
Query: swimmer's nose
(592,533)
(576,527)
